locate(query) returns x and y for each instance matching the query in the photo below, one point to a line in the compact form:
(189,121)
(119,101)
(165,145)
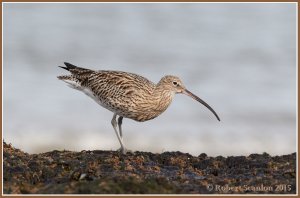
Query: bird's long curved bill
(187,92)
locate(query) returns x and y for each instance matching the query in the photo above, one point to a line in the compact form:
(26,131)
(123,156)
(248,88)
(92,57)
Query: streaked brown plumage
(126,94)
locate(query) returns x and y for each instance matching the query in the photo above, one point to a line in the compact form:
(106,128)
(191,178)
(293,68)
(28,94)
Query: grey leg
(120,119)
(114,124)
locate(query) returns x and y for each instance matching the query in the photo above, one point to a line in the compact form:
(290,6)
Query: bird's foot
(124,150)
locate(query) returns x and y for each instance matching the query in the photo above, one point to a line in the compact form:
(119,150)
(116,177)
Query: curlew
(127,95)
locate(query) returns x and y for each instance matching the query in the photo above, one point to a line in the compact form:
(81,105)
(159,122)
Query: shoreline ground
(109,172)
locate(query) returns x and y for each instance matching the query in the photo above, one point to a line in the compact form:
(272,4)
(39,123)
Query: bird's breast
(155,105)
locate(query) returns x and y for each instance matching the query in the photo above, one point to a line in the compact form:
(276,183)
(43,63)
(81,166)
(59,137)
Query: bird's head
(172,83)
(175,85)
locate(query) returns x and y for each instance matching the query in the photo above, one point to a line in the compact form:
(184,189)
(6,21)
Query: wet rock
(202,156)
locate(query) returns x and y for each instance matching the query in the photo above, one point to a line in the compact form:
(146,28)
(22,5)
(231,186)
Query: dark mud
(109,172)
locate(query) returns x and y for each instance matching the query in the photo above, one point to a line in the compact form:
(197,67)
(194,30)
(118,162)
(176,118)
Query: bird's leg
(120,119)
(114,124)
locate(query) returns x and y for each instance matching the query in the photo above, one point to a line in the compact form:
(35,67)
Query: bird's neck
(162,98)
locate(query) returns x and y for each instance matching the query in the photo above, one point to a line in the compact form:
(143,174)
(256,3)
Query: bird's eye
(175,83)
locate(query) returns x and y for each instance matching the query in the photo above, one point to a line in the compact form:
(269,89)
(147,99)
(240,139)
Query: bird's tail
(70,67)
(71,81)
(78,72)
(78,75)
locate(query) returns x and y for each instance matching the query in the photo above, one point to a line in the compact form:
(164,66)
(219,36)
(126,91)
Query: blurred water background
(238,57)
